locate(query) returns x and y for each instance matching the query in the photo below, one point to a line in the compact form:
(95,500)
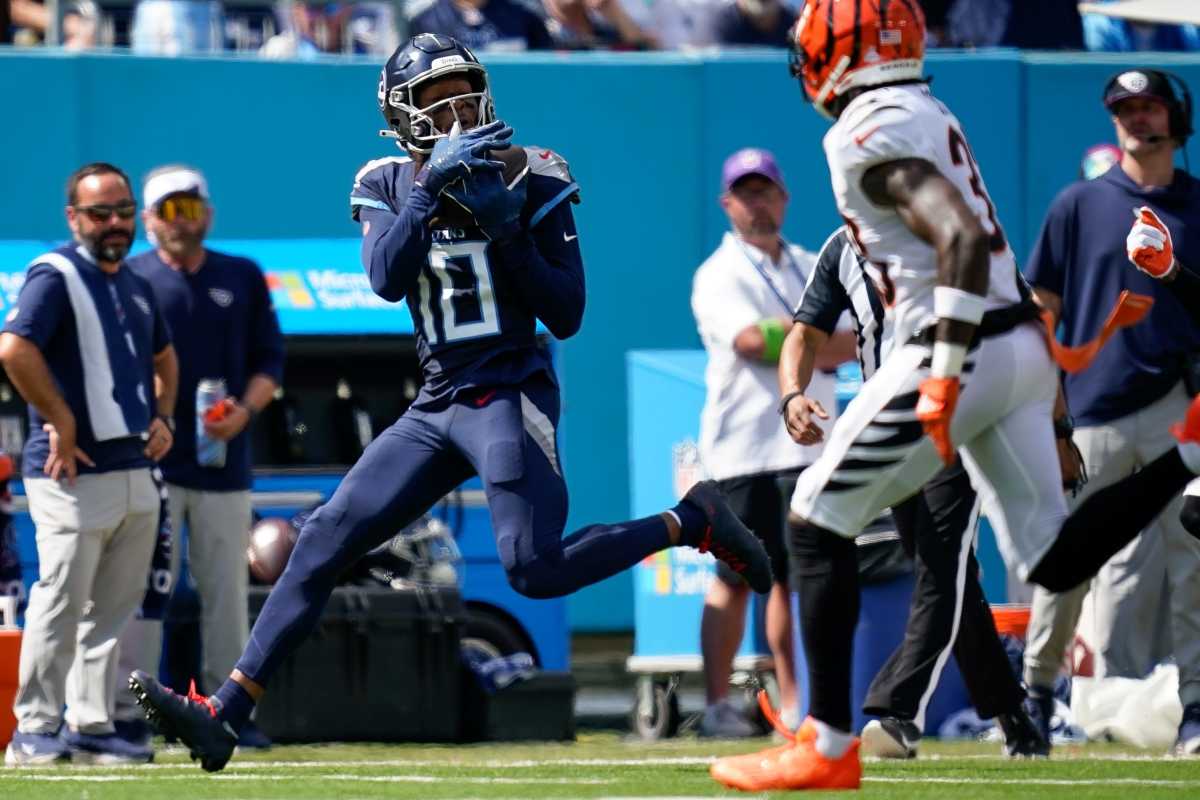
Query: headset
(1180,110)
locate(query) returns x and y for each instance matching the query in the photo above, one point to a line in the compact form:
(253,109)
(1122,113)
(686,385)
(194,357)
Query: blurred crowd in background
(307,29)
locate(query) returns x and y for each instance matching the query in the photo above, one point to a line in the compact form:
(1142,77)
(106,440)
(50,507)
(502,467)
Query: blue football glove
(460,154)
(496,207)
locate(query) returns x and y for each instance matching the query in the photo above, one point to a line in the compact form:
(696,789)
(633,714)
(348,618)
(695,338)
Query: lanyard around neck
(785,256)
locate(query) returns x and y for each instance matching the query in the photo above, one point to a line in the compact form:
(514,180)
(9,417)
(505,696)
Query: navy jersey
(499,25)
(99,334)
(474,303)
(223,326)
(1080,256)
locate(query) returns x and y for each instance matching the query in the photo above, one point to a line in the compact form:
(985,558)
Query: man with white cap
(743,297)
(220,313)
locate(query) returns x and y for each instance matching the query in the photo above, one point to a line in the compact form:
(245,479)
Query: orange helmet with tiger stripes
(839,45)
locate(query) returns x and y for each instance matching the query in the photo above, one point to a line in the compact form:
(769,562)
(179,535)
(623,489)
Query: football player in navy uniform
(477,236)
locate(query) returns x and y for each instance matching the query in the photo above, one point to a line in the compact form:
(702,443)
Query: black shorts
(760,502)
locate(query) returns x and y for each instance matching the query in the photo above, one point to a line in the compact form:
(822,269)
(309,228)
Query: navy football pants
(505,435)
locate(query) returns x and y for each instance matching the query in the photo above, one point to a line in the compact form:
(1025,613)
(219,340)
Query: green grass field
(598,765)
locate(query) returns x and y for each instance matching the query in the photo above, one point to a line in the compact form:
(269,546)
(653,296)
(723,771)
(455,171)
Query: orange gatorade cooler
(10,651)
(1011,619)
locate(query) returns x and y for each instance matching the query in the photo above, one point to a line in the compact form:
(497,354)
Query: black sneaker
(1023,738)
(192,719)
(891,737)
(1188,741)
(1039,708)
(728,539)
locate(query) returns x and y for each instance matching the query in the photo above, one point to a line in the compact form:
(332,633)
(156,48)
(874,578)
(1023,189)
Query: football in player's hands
(450,214)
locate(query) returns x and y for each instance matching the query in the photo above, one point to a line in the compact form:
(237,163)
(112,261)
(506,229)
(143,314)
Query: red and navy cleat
(191,719)
(728,539)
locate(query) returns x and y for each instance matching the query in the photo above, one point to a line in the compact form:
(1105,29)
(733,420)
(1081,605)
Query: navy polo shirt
(224,326)
(1080,256)
(98,334)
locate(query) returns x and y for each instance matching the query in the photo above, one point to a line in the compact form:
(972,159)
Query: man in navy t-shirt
(1123,404)
(480,256)
(224,327)
(86,345)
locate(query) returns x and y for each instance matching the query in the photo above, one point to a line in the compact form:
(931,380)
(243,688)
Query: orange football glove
(935,407)
(1149,245)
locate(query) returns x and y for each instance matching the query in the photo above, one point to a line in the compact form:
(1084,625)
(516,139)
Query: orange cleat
(792,766)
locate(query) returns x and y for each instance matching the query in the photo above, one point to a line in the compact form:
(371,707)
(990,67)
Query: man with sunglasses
(88,348)
(224,326)
(478,238)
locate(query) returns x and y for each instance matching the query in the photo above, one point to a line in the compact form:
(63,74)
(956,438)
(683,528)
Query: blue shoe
(35,749)
(106,749)
(191,719)
(1039,706)
(134,731)
(728,539)
(250,736)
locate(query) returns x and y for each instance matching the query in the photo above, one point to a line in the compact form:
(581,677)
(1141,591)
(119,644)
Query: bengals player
(970,367)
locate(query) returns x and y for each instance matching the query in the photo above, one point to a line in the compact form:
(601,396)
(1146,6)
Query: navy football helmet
(427,57)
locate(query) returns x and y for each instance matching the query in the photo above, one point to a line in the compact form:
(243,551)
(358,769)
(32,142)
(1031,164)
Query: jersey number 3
(465,296)
(961,154)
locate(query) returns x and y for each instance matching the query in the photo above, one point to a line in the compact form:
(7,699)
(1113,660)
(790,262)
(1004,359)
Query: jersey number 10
(465,296)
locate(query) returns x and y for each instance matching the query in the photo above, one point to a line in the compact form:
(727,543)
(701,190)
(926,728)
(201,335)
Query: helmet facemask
(414,126)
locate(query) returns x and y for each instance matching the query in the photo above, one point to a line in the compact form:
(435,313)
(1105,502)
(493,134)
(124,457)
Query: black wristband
(1064,426)
(787,398)
(168,421)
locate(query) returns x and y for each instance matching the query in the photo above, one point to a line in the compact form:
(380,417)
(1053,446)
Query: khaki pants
(218,534)
(1133,593)
(94,542)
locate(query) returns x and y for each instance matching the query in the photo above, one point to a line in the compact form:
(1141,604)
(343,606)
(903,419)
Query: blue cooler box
(666,394)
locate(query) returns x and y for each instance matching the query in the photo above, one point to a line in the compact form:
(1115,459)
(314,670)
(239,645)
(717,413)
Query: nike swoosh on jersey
(858,140)
(570,238)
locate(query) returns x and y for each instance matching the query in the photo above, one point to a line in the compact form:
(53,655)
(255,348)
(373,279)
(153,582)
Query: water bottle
(210,397)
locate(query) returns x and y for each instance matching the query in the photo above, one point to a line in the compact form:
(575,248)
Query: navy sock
(233,703)
(692,523)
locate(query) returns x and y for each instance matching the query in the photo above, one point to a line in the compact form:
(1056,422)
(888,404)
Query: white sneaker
(890,737)
(722,720)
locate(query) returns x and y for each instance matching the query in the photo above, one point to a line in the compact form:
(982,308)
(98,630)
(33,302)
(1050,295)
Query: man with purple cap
(743,297)
(1135,227)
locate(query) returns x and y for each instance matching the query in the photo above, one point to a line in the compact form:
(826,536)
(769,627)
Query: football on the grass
(451,215)
(271,544)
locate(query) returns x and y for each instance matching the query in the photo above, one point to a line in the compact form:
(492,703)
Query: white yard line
(1036,781)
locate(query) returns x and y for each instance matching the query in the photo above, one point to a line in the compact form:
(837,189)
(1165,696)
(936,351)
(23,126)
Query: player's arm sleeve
(40,306)
(396,246)
(267,358)
(547,267)
(824,300)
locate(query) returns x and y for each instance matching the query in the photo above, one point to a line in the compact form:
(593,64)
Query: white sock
(1190,453)
(790,717)
(675,517)
(831,742)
